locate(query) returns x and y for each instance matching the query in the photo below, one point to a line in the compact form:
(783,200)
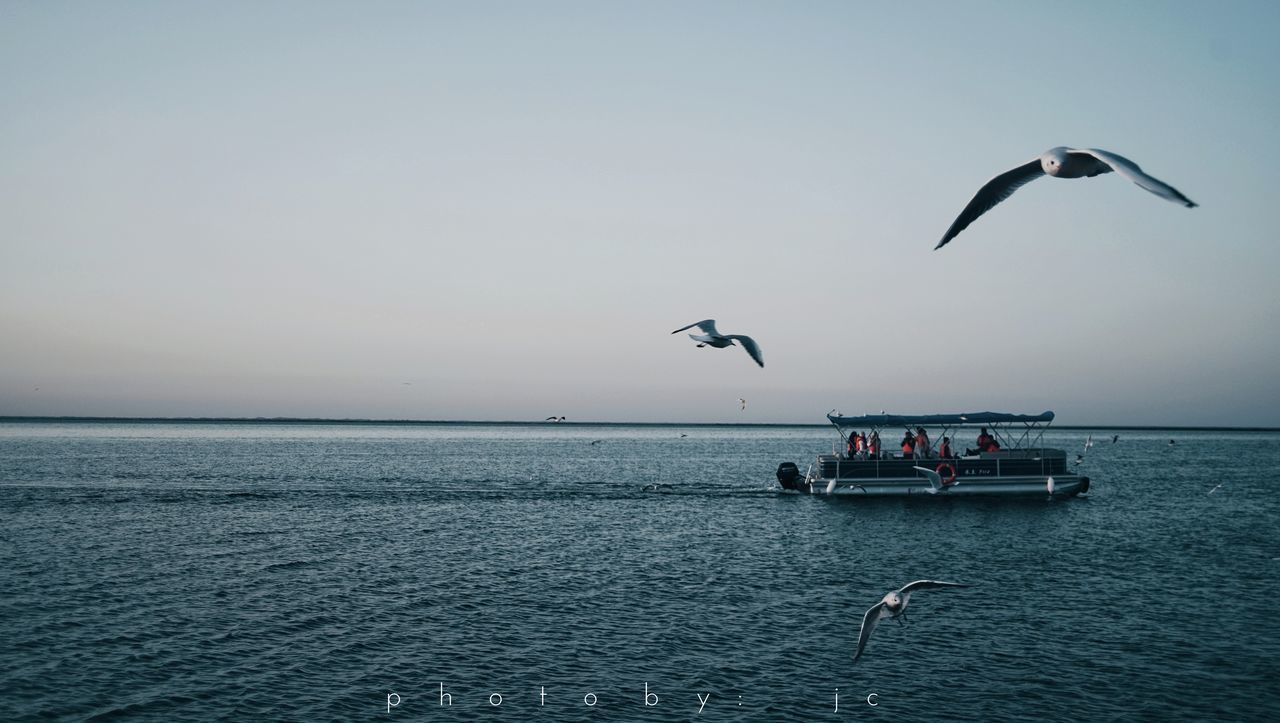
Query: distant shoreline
(526,423)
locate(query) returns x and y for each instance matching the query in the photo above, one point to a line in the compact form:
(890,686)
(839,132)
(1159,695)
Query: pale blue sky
(292,209)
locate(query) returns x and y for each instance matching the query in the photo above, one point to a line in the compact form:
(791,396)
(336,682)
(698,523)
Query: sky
(500,210)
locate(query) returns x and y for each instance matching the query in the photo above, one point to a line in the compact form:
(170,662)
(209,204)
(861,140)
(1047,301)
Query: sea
(367,571)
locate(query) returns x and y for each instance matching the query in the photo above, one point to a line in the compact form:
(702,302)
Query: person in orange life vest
(944,450)
(984,440)
(849,445)
(922,443)
(908,444)
(859,444)
(873,445)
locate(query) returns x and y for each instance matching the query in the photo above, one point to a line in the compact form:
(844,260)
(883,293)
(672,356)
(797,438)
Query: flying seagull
(743,402)
(1060,162)
(936,484)
(894,605)
(1115,438)
(711,337)
(554,419)
(1215,489)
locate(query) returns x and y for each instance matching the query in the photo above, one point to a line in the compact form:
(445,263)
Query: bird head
(892,600)
(1051,160)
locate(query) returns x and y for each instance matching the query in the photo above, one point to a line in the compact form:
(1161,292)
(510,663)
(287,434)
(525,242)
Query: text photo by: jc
(645,697)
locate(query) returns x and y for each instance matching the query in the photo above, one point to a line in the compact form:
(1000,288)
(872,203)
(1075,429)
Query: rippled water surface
(263,571)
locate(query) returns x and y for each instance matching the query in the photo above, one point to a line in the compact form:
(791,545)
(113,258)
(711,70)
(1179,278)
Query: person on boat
(908,444)
(860,445)
(984,439)
(922,443)
(873,445)
(986,442)
(944,449)
(853,449)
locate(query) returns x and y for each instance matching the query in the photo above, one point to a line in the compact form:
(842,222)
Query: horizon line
(429,422)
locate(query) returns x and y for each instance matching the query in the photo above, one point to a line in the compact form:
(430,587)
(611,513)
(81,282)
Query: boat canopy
(949,420)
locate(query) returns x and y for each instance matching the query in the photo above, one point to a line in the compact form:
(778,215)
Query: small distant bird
(1079,459)
(1115,438)
(1171,443)
(554,419)
(743,402)
(1060,162)
(1215,489)
(894,605)
(1088,443)
(596,441)
(1049,485)
(682,436)
(713,338)
(407,384)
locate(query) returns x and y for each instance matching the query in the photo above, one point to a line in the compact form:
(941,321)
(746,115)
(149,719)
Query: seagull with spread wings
(1060,162)
(894,605)
(713,338)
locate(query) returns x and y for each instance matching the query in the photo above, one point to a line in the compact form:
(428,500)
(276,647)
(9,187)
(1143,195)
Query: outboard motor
(788,473)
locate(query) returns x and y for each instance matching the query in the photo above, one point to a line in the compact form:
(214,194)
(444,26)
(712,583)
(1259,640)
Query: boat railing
(1044,456)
